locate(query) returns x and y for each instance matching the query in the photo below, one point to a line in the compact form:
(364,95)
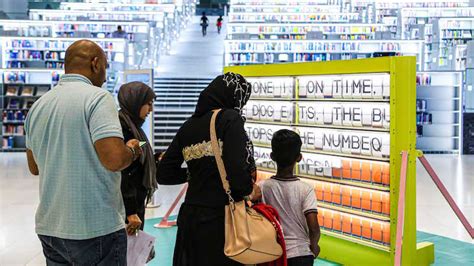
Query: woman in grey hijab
(139,179)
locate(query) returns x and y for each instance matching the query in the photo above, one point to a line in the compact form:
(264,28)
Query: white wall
(14,8)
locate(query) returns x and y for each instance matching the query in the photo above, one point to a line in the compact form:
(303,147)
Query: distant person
(75,144)
(119,33)
(48,6)
(204,23)
(294,200)
(219,24)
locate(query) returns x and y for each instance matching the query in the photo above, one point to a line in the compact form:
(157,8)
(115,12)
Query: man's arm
(107,136)
(115,155)
(314,232)
(31,162)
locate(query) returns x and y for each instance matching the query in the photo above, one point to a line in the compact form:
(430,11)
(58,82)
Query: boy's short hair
(286,147)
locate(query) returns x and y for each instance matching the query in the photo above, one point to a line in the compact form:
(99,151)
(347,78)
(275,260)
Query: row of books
(424,118)
(449,33)
(14,116)
(340,29)
(13,130)
(401,4)
(35,55)
(283,9)
(17,104)
(50,44)
(11,142)
(26,90)
(316,46)
(292,18)
(237,58)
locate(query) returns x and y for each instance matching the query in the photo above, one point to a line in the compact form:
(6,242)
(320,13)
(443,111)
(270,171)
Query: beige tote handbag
(249,237)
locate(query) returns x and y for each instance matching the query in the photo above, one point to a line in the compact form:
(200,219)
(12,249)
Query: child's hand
(159,156)
(315,251)
(256,193)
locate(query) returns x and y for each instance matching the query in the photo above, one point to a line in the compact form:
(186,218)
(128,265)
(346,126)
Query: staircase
(181,75)
(175,103)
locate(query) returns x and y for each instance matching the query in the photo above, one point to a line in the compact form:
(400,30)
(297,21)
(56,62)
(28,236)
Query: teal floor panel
(447,251)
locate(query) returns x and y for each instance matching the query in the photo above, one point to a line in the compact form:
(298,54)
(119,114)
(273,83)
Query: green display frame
(402,72)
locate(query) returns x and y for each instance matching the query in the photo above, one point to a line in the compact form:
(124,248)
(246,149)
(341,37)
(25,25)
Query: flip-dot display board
(354,118)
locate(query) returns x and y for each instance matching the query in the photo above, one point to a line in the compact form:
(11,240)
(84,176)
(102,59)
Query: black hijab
(228,91)
(132,96)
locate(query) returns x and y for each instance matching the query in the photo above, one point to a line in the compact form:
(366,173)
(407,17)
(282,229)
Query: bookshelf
(426,16)
(47,52)
(281,11)
(387,11)
(282,8)
(167,8)
(417,23)
(243,52)
(140,36)
(172,18)
(277,17)
(19,89)
(74,15)
(452,35)
(137,31)
(279,2)
(158,22)
(300,31)
(439,111)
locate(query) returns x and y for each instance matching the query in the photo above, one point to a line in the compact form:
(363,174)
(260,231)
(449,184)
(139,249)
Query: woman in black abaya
(200,239)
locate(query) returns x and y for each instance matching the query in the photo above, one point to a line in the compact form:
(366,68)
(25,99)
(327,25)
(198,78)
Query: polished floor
(448,252)
(19,198)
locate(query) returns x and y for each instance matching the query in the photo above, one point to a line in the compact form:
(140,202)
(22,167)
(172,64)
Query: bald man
(75,144)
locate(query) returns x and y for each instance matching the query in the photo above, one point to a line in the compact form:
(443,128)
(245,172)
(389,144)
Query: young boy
(294,200)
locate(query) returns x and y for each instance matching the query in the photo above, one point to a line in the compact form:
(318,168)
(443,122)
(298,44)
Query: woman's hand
(256,193)
(134,224)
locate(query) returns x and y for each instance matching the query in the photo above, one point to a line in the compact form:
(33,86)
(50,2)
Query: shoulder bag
(250,238)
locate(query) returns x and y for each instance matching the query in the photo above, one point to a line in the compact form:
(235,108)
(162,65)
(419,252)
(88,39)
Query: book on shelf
(13,104)
(27,90)
(12,90)
(13,130)
(13,116)
(14,77)
(28,103)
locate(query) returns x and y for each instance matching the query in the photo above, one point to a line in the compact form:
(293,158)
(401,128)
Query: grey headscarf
(132,96)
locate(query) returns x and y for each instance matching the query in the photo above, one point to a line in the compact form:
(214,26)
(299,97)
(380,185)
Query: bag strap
(217,154)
